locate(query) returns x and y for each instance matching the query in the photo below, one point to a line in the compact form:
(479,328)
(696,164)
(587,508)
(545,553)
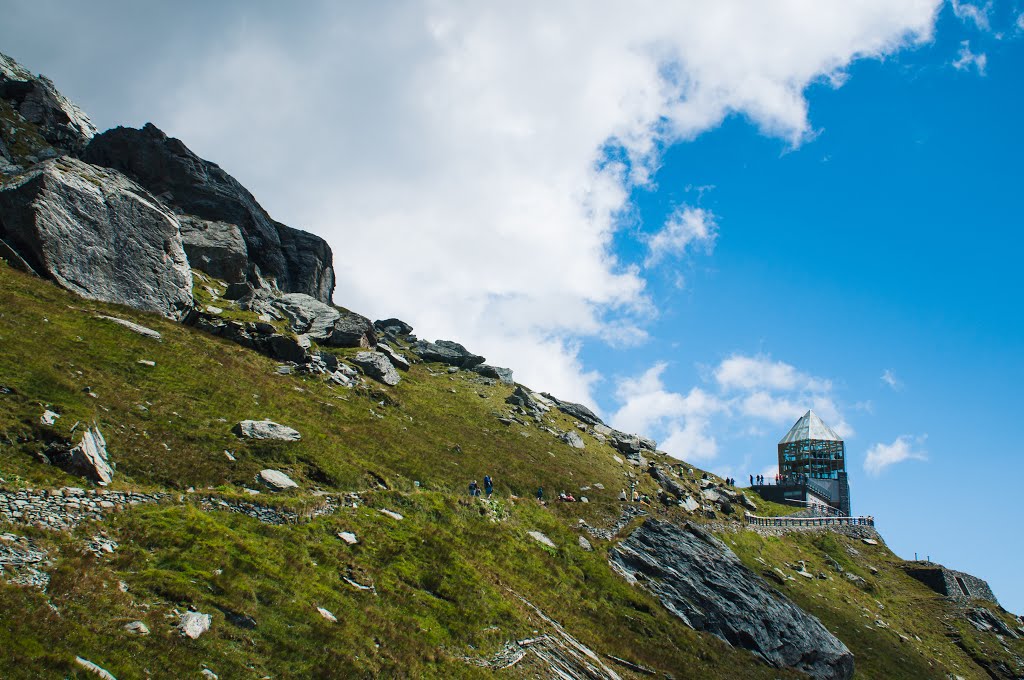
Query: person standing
(488,485)
(473,491)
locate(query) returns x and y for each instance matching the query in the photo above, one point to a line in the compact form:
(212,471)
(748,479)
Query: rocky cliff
(295,261)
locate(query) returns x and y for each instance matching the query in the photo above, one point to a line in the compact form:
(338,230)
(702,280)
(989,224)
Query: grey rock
(393,327)
(530,401)
(87,665)
(98,234)
(701,581)
(584,543)
(295,261)
(541,538)
(132,326)
(265,429)
(397,360)
(377,366)
(137,628)
(89,458)
(327,615)
(194,624)
(323,323)
(577,411)
(447,352)
(59,121)
(276,480)
(495,372)
(216,248)
(49,417)
(282,348)
(572,439)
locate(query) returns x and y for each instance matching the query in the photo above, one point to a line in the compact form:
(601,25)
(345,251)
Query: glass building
(811,449)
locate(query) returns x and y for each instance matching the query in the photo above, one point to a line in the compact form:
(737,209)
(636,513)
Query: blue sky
(700,218)
(888,245)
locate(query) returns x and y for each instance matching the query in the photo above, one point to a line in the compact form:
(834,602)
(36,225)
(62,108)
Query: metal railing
(755,520)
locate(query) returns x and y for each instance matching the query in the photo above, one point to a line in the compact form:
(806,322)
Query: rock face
(89,458)
(216,248)
(60,122)
(296,261)
(377,366)
(98,234)
(266,429)
(701,581)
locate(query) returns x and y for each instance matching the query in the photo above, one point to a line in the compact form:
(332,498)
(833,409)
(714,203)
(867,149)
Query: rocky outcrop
(447,352)
(322,323)
(700,580)
(98,234)
(577,411)
(58,120)
(297,262)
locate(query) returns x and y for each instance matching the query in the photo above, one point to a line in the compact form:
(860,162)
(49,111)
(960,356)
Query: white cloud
(647,406)
(685,227)
(978,15)
(905,447)
(891,380)
(756,372)
(751,390)
(1020,22)
(452,153)
(966,59)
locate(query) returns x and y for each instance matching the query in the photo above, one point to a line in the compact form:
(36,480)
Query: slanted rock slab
(137,628)
(541,538)
(327,615)
(266,429)
(93,668)
(701,581)
(276,480)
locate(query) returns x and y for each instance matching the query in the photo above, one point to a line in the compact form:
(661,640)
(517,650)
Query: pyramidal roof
(810,426)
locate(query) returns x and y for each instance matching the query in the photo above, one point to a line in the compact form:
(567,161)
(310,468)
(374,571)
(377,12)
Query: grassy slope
(442,575)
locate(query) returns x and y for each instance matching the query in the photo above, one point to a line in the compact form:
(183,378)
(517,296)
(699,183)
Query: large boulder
(58,120)
(377,366)
(216,248)
(447,352)
(296,261)
(275,480)
(392,326)
(701,581)
(98,234)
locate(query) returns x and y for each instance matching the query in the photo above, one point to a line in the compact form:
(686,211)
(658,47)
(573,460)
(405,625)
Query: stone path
(64,509)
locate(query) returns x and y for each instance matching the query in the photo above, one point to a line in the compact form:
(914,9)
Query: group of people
(730,481)
(779,479)
(474,487)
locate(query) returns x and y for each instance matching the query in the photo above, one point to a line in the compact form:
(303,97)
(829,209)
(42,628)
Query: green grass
(444,577)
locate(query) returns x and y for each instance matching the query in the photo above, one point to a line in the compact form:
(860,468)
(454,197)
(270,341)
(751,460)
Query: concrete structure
(957,585)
